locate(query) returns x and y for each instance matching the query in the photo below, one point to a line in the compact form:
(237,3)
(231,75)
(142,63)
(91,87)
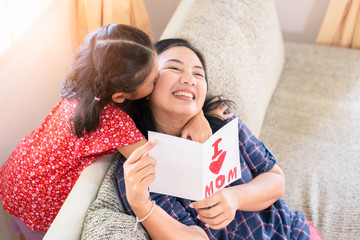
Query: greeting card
(193,170)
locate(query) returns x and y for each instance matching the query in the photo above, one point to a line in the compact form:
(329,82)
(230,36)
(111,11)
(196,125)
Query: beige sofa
(301,100)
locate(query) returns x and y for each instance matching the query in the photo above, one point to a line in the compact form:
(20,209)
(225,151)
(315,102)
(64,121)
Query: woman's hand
(218,210)
(261,192)
(197,129)
(139,173)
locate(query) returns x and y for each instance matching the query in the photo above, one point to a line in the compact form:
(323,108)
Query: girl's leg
(18,226)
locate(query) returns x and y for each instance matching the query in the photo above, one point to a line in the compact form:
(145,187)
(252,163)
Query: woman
(250,208)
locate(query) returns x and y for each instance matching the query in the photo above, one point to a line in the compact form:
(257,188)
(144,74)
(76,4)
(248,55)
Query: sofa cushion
(313,127)
(244,52)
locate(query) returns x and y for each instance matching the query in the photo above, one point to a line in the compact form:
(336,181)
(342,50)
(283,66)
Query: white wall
(160,12)
(301,20)
(30,75)
(30,80)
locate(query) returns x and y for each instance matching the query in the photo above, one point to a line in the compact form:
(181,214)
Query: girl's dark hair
(140,110)
(115,58)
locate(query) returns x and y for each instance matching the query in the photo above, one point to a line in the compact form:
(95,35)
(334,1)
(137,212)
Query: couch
(301,100)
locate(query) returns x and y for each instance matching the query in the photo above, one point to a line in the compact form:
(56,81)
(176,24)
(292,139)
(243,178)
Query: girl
(114,65)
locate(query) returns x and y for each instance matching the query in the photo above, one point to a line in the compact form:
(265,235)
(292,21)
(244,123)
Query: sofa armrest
(68,222)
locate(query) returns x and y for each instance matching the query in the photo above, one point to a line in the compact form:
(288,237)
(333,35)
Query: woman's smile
(184,94)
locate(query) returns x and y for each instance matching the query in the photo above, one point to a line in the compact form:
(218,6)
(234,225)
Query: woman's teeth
(185,94)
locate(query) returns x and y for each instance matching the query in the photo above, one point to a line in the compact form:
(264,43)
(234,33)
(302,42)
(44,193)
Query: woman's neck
(169,124)
(169,127)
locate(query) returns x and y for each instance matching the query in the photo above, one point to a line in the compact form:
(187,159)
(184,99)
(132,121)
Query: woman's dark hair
(140,110)
(115,58)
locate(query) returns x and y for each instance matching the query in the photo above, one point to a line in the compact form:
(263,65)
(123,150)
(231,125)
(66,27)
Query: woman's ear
(118,97)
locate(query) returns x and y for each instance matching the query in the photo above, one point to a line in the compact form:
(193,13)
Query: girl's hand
(139,173)
(197,129)
(218,210)
(219,112)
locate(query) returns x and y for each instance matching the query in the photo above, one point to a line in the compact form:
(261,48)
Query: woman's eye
(173,68)
(199,74)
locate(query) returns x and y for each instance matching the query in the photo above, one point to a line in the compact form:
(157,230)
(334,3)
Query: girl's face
(148,85)
(181,86)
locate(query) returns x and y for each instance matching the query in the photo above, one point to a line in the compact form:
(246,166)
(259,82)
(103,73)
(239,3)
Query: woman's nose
(188,78)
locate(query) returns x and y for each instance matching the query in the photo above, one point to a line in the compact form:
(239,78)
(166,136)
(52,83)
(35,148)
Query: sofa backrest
(243,47)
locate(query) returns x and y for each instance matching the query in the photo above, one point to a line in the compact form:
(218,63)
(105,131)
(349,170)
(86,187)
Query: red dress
(40,173)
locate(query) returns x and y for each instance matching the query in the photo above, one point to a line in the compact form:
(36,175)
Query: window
(15,17)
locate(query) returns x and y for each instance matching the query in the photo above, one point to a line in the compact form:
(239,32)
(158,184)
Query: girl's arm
(197,129)
(219,210)
(126,151)
(139,173)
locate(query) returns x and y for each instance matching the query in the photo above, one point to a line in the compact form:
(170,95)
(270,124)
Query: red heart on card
(215,166)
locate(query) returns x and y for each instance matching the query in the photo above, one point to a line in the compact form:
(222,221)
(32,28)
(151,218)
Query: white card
(192,170)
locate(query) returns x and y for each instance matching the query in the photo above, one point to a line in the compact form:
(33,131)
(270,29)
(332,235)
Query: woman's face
(181,86)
